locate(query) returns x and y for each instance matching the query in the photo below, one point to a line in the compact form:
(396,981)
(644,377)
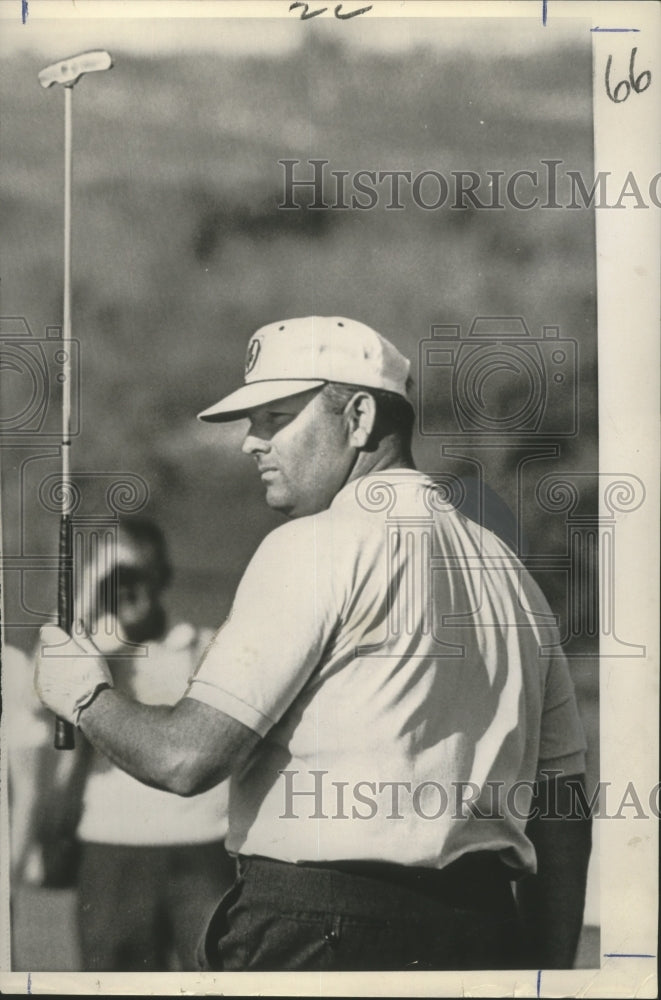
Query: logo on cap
(254,347)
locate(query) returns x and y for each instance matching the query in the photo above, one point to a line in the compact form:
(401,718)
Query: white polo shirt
(387,650)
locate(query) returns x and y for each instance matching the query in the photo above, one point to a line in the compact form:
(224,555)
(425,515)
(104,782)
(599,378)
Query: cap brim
(237,404)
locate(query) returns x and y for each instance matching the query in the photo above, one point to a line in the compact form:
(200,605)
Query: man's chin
(276,497)
(289,507)
(279,503)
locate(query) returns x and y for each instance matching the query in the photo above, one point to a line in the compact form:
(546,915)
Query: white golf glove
(69,672)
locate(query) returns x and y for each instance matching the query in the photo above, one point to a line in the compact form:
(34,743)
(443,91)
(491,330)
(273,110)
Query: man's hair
(394,414)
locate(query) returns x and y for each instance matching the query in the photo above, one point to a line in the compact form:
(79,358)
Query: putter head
(69,71)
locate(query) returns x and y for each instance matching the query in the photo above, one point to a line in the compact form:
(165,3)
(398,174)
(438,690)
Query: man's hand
(69,672)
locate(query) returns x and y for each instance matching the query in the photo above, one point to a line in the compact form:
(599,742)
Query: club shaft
(64,736)
(66,311)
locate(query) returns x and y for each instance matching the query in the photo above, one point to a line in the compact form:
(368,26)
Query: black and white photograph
(329,511)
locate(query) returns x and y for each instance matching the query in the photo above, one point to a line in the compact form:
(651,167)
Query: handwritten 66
(626,85)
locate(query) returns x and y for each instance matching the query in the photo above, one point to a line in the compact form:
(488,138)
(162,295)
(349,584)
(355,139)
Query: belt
(476,880)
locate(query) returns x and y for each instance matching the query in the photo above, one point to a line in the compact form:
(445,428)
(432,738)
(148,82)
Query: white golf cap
(298,354)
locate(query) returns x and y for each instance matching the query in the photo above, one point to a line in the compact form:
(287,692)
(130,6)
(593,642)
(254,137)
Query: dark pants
(143,909)
(283,917)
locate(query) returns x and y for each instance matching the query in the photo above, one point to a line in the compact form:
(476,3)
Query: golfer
(384,694)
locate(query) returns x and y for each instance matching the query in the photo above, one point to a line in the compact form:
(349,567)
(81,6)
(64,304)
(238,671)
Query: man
(151,865)
(354,684)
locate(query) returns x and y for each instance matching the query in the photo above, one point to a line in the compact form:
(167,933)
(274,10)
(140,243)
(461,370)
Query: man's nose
(253,444)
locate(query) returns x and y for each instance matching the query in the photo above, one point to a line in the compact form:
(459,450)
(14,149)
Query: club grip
(64,738)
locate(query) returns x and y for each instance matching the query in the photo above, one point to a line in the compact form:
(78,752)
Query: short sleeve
(283,616)
(562,742)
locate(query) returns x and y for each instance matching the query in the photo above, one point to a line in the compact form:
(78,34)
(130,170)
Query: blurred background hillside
(181,252)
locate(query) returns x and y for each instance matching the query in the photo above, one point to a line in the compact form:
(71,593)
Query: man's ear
(360,412)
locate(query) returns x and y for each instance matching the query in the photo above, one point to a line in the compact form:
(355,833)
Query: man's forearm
(139,738)
(551,902)
(186,748)
(183,749)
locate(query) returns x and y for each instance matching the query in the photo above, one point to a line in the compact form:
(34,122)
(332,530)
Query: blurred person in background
(43,849)
(149,865)
(27,730)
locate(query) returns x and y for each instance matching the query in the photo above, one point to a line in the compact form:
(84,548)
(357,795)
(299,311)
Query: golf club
(67,73)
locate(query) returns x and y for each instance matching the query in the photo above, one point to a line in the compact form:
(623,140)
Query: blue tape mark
(29,988)
(614,29)
(619,954)
(545,11)
(24,10)
(539,983)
